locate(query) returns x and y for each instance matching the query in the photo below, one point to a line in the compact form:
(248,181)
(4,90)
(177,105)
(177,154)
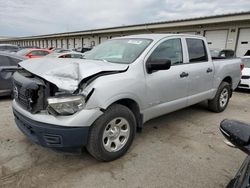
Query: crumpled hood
(66,74)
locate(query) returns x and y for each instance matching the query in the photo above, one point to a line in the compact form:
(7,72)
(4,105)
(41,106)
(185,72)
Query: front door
(167,90)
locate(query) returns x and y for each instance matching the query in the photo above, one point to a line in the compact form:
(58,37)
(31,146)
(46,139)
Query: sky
(38,17)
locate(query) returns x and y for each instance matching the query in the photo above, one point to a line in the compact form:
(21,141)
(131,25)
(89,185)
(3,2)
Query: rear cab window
(197,50)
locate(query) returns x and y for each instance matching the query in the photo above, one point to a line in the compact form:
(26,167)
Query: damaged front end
(35,94)
(58,91)
(31,92)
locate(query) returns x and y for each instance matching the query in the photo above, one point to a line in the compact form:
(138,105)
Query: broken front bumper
(59,132)
(52,136)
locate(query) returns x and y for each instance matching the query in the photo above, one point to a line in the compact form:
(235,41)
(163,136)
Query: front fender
(99,102)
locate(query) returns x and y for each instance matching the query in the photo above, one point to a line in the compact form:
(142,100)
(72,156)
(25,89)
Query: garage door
(59,43)
(64,44)
(71,44)
(243,42)
(78,42)
(86,42)
(53,43)
(49,44)
(217,39)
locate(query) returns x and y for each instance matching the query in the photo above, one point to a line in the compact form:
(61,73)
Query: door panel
(201,82)
(166,91)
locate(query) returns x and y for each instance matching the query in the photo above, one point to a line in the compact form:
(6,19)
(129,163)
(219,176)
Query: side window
(39,53)
(34,53)
(65,56)
(196,50)
(4,61)
(43,53)
(170,49)
(78,56)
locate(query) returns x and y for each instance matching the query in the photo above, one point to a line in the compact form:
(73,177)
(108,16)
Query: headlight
(66,105)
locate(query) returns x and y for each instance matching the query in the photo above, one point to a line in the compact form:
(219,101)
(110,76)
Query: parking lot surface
(181,149)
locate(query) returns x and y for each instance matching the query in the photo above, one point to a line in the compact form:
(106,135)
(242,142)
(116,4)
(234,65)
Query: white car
(245,78)
(76,55)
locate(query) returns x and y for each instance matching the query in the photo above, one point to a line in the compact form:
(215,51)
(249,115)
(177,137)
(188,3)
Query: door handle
(209,70)
(184,74)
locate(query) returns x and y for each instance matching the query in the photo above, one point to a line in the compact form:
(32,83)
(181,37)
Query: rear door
(200,70)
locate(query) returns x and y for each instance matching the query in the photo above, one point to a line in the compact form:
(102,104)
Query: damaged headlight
(66,105)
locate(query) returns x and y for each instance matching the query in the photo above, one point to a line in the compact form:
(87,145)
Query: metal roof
(141,26)
(158,36)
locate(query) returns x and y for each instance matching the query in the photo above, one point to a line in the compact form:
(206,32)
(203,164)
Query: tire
(224,93)
(112,134)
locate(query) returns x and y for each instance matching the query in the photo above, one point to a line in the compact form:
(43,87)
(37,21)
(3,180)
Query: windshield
(123,51)
(23,52)
(246,62)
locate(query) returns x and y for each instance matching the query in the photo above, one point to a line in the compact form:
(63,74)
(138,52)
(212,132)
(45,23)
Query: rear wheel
(112,134)
(221,99)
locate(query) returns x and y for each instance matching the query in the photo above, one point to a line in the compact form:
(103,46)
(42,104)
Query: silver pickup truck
(100,101)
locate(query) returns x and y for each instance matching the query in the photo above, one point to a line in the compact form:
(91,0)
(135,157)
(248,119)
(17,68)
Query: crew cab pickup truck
(99,102)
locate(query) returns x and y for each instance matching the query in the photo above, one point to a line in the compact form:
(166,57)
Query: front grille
(28,91)
(21,95)
(245,77)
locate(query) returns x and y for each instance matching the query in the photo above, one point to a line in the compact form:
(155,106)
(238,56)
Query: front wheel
(112,134)
(221,99)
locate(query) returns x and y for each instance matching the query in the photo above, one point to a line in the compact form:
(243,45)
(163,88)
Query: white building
(228,31)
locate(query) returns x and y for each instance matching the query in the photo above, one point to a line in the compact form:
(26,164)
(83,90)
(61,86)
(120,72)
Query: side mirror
(237,133)
(159,64)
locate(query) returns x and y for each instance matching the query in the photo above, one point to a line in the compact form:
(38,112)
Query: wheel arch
(134,107)
(229,80)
